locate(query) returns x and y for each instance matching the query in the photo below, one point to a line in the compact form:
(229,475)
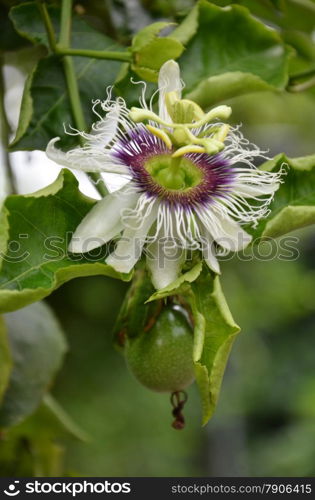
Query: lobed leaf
(222,41)
(36,260)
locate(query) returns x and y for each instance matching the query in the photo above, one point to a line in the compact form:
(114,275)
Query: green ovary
(176,174)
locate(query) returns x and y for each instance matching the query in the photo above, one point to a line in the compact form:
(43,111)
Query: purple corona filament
(139,145)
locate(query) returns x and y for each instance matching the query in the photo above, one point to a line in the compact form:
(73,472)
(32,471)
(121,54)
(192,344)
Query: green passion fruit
(162,358)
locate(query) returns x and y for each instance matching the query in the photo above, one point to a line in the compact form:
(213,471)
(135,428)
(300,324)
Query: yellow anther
(212,146)
(139,115)
(222,133)
(161,135)
(188,149)
(221,112)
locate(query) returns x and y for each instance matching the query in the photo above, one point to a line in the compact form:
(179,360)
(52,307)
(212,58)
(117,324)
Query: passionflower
(190,181)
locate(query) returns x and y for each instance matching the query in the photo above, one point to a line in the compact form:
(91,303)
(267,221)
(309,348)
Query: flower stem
(96,54)
(5,133)
(72,84)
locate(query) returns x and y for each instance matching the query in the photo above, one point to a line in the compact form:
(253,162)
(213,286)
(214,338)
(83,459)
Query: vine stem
(69,71)
(48,24)
(5,133)
(95,54)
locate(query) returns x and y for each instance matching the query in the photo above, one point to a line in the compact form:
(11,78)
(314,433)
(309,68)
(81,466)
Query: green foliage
(220,42)
(36,261)
(225,50)
(37,347)
(293,206)
(9,38)
(34,447)
(46,106)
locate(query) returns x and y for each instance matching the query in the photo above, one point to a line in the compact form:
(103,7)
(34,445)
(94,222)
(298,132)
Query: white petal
(169,80)
(251,191)
(208,252)
(103,222)
(129,248)
(229,234)
(164,263)
(104,130)
(85,159)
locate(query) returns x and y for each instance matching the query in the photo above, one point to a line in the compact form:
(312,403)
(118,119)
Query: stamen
(161,135)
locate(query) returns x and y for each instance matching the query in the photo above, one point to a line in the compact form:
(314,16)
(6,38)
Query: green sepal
(135,313)
(150,51)
(214,334)
(180,285)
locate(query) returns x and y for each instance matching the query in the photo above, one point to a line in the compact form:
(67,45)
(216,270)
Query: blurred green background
(265,420)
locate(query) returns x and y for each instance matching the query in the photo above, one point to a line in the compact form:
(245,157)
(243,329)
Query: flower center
(175,174)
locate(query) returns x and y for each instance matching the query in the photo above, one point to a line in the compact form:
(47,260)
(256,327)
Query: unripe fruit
(161,358)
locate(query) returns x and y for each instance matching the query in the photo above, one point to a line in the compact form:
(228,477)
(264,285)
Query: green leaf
(26,19)
(151,51)
(9,39)
(40,226)
(230,40)
(293,14)
(37,346)
(179,285)
(219,88)
(5,358)
(214,334)
(188,28)
(46,107)
(293,206)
